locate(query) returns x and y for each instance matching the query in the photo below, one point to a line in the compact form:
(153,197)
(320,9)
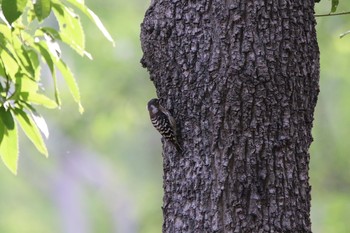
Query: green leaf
(72,85)
(25,84)
(44,51)
(40,99)
(100,25)
(35,63)
(71,30)
(6,32)
(62,37)
(28,88)
(31,130)
(42,9)
(50,31)
(13,9)
(10,63)
(8,140)
(31,16)
(23,60)
(14,54)
(93,17)
(335,4)
(2,73)
(65,71)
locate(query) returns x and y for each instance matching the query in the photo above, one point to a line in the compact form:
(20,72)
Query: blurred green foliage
(330,161)
(104,173)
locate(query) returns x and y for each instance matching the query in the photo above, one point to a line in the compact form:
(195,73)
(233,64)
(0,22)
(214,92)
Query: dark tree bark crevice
(241,79)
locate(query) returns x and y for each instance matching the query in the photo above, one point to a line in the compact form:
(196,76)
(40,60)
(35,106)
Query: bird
(164,122)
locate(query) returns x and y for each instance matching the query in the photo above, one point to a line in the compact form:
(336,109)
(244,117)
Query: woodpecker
(163,122)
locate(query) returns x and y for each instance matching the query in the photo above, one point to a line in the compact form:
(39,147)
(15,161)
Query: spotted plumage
(163,122)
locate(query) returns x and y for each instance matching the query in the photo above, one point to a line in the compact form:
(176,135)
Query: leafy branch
(25,39)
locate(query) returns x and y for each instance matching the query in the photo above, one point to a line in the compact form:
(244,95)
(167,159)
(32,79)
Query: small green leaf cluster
(335,4)
(26,44)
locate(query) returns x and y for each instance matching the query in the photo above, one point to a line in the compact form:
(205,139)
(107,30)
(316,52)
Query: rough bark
(241,79)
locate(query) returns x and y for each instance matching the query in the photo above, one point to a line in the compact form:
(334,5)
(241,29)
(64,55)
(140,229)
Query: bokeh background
(104,172)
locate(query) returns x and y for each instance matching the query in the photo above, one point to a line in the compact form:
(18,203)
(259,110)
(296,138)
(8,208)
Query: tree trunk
(241,79)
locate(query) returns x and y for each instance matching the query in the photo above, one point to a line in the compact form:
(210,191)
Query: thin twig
(344,34)
(335,14)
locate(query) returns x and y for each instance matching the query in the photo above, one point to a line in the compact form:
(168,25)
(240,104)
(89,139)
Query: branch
(344,34)
(335,14)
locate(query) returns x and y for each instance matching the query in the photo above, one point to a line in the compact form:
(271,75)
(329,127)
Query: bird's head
(153,106)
